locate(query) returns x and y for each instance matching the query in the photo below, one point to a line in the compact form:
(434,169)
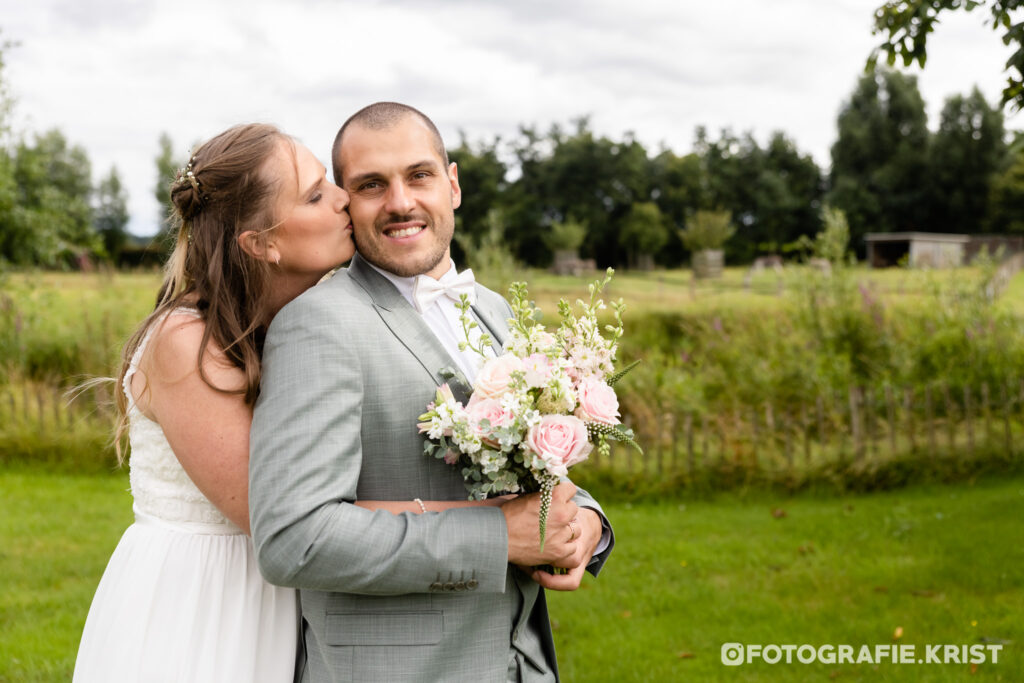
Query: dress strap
(133,364)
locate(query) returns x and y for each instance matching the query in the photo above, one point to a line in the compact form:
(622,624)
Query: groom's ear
(453,178)
(256,245)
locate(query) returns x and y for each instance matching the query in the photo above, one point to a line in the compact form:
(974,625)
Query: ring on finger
(572,529)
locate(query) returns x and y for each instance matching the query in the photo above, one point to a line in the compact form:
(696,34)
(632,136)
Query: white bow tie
(427,290)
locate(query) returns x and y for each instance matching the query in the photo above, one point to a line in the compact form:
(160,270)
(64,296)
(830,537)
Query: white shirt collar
(405,285)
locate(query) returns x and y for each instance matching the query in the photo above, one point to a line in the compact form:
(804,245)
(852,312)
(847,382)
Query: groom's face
(403,197)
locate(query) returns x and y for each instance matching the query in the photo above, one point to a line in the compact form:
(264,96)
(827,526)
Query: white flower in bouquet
(537,368)
(542,341)
(492,461)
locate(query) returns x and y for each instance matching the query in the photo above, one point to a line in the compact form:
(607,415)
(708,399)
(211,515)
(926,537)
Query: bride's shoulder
(173,345)
(173,351)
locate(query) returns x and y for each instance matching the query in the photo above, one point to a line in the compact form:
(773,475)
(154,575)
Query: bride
(181,598)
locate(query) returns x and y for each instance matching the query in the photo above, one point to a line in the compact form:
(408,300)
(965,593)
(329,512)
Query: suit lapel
(408,327)
(493,324)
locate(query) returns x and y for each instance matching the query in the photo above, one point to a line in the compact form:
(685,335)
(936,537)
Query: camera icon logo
(732,654)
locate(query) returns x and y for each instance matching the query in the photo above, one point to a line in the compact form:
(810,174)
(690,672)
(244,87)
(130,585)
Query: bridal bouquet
(537,409)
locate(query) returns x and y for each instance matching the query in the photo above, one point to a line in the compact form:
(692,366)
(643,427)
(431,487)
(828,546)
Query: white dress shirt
(442,317)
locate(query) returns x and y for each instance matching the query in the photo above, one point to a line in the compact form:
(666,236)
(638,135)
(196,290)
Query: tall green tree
(679,191)
(1006,200)
(592,179)
(167,166)
(965,155)
(111,214)
(51,222)
(880,159)
(774,193)
(8,201)
(906,25)
(8,186)
(482,179)
(796,206)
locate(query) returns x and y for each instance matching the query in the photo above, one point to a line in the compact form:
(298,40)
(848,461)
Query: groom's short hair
(379,116)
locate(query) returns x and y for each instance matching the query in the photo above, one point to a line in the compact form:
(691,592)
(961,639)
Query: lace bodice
(160,486)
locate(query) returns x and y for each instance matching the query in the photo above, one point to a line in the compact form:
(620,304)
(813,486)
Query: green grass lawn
(56,534)
(943,563)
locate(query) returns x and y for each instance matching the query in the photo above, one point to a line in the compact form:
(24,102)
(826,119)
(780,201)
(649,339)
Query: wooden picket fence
(862,425)
(38,406)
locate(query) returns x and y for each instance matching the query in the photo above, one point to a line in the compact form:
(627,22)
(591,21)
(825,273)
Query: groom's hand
(522,517)
(590,535)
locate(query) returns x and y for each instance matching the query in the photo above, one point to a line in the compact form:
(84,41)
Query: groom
(347,368)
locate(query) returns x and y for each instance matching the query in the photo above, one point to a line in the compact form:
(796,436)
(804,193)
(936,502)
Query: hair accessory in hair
(186,174)
(200,199)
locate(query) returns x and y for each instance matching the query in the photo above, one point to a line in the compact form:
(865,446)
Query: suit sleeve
(304,468)
(604,547)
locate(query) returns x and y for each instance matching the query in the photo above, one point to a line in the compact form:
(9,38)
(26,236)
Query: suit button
(472,584)
(460,585)
(449,586)
(436,586)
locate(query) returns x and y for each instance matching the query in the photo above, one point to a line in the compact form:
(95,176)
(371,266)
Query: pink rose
(560,441)
(486,409)
(495,376)
(598,402)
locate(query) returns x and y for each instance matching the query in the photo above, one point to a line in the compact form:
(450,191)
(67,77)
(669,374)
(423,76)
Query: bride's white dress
(182,598)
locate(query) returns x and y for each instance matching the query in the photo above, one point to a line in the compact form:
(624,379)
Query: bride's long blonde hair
(224,191)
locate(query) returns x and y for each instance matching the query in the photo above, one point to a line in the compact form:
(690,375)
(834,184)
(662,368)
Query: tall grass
(858,376)
(840,379)
(57,331)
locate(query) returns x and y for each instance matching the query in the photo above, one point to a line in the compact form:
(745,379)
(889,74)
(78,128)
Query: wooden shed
(917,249)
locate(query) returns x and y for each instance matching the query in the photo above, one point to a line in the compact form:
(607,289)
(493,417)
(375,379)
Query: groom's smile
(405,230)
(403,196)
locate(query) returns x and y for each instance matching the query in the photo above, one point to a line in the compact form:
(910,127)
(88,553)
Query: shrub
(707,230)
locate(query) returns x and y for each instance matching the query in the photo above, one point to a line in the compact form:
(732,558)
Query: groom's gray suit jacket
(347,368)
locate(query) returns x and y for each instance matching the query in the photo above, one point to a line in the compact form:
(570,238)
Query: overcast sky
(113,74)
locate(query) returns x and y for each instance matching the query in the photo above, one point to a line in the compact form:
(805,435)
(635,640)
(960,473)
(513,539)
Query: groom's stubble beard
(374,248)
